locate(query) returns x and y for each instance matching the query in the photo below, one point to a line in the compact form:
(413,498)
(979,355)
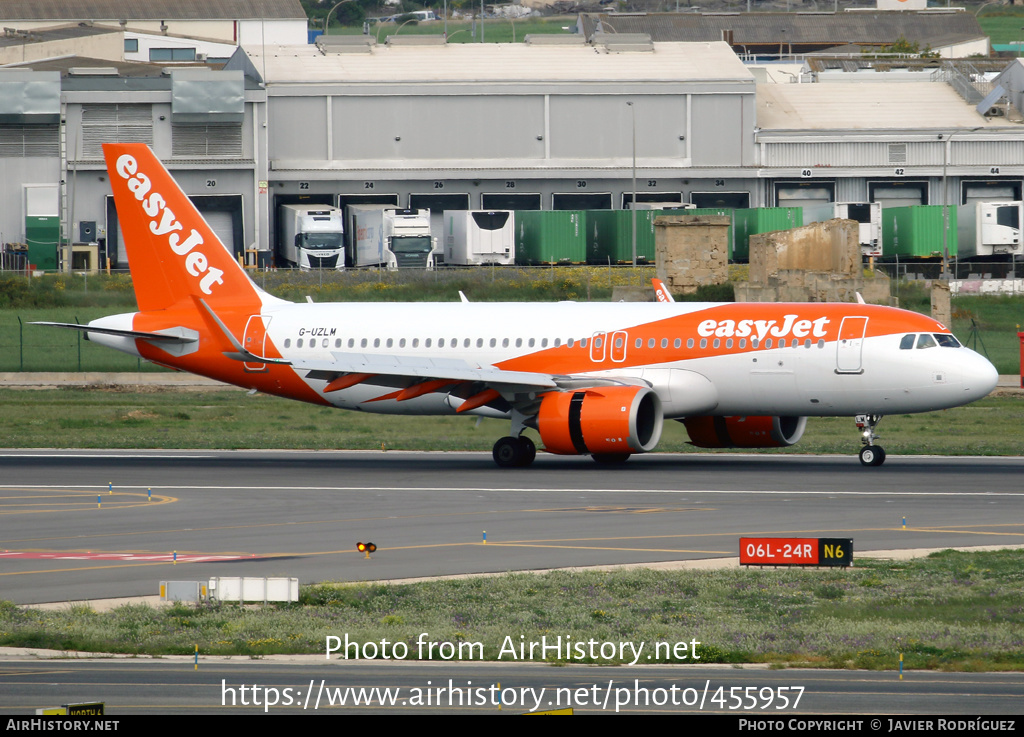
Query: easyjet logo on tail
(163,223)
(762,328)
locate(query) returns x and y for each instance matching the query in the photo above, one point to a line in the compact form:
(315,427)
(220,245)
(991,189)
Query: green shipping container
(916,231)
(550,237)
(610,235)
(751,221)
(41,235)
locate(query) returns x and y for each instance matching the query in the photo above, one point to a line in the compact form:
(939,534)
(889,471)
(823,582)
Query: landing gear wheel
(510,452)
(529,450)
(610,459)
(872,455)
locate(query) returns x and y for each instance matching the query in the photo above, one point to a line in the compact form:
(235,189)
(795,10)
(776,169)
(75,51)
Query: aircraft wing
(402,370)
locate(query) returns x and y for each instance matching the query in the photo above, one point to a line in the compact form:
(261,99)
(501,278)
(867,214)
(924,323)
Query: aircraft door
(850,346)
(255,340)
(598,347)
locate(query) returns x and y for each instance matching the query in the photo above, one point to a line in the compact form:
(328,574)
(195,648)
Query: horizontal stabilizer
(173,335)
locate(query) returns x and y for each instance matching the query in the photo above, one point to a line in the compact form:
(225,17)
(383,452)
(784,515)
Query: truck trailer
(478,237)
(312,237)
(987,229)
(389,237)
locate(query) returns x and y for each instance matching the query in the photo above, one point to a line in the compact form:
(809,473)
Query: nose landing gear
(870,454)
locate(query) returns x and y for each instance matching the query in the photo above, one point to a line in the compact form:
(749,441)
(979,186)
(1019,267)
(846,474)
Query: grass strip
(949,611)
(97,417)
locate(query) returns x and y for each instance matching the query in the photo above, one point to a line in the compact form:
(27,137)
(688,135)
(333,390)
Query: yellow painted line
(595,547)
(268,525)
(962,532)
(84,501)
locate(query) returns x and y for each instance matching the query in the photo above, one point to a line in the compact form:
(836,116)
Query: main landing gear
(870,454)
(510,452)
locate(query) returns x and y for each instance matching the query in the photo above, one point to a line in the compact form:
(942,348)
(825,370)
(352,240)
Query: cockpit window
(908,342)
(926,341)
(947,341)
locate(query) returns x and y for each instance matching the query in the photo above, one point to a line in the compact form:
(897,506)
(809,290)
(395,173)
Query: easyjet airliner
(597,379)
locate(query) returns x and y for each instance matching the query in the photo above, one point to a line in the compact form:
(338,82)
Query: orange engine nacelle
(601,420)
(745,432)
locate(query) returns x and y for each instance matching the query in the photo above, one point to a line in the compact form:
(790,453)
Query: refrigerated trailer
(478,237)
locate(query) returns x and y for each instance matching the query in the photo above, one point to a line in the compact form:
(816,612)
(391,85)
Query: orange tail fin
(174,254)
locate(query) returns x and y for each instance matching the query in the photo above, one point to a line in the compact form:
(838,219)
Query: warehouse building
(553,123)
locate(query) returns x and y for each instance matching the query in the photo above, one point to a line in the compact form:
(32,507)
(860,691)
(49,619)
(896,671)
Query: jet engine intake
(607,420)
(744,432)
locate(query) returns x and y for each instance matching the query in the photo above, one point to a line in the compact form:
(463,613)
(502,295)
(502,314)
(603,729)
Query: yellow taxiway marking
(267,525)
(77,500)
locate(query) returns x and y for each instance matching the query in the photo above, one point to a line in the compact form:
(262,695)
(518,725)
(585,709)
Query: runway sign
(796,551)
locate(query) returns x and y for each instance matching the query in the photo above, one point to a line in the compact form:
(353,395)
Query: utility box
(182,591)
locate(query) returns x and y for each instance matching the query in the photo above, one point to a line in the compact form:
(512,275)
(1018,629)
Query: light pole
(328,16)
(632,207)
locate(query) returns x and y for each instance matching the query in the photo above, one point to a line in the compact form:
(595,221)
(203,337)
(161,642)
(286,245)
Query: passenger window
(678,343)
(908,342)
(479,342)
(544,343)
(299,343)
(639,342)
(689,343)
(925,341)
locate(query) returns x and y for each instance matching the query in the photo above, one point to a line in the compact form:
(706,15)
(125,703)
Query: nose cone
(979,376)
